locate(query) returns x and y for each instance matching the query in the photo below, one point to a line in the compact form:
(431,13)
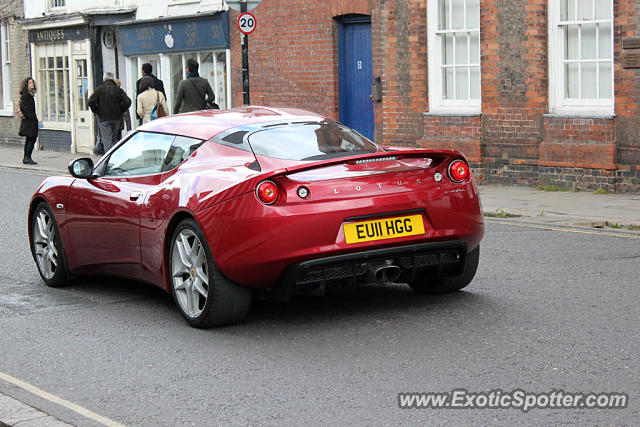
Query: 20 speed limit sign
(246,23)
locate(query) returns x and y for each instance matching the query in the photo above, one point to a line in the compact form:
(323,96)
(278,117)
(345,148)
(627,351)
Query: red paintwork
(103,231)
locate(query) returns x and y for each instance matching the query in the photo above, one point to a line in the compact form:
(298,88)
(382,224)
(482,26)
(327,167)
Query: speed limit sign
(246,23)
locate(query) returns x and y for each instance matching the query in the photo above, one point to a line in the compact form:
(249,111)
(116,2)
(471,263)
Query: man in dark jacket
(194,92)
(147,70)
(109,102)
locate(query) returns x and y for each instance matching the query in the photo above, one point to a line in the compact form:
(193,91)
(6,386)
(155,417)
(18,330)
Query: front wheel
(426,284)
(46,247)
(204,297)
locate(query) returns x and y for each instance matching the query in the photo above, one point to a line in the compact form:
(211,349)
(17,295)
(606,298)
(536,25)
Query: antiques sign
(58,35)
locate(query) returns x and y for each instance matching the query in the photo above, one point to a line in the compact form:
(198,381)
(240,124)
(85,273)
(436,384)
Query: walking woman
(28,125)
(148,99)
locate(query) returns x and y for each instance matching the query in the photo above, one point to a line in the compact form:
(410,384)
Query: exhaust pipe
(382,272)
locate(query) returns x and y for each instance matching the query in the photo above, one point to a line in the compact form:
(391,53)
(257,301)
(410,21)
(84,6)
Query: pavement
(619,211)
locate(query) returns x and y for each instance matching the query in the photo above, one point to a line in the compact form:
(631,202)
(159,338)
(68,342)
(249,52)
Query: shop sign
(176,35)
(58,35)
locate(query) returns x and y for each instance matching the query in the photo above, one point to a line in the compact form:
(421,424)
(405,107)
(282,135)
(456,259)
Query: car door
(103,213)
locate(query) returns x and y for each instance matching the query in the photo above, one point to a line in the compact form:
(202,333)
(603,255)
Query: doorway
(356,74)
(82,118)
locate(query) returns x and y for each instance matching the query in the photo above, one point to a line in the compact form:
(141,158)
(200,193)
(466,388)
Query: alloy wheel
(189,273)
(44,236)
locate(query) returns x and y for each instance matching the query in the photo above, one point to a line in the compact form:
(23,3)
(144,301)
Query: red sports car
(216,206)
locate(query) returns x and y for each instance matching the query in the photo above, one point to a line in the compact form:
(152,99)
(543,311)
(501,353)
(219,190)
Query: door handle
(135,195)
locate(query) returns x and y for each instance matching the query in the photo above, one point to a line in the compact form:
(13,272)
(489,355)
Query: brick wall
(294,61)
(20,66)
(293,55)
(400,49)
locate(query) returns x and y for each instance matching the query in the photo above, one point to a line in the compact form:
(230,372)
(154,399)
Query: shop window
(454,55)
(213,67)
(581,56)
(5,70)
(54,87)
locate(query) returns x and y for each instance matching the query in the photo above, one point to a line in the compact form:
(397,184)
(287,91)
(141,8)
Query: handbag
(208,105)
(158,110)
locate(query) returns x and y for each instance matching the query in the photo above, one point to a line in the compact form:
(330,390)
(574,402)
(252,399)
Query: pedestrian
(29,124)
(149,100)
(147,70)
(109,102)
(194,92)
(125,122)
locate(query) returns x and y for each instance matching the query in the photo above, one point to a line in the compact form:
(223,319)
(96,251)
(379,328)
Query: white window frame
(558,103)
(56,8)
(434,56)
(5,57)
(43,95)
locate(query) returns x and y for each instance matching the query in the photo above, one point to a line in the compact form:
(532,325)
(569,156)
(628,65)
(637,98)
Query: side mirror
(81,168)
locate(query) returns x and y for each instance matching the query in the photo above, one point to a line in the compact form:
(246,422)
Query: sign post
(246,25)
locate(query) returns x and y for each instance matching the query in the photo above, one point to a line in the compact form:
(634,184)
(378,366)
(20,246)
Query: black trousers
(29,143)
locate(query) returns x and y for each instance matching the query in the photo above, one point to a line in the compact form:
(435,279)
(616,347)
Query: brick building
(14,67)
(532,91)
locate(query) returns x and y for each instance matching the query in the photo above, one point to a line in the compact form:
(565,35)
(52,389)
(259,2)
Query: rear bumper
(442,257)
(255,244)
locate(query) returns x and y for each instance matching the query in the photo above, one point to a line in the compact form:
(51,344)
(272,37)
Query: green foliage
(553,187)
(501,213)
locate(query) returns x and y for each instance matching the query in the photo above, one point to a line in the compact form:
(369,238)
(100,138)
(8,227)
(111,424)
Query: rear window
(310,141)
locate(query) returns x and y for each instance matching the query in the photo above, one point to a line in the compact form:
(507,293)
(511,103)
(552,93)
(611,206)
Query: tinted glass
(181,148)
(142,154)
(309,141)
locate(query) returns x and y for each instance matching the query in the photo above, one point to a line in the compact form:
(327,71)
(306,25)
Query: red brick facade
(294,62)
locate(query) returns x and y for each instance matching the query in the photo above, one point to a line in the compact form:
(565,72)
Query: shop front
(167,45)
(61,65)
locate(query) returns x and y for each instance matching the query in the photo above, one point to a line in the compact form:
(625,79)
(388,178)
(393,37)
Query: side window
(181,148)
(142,154)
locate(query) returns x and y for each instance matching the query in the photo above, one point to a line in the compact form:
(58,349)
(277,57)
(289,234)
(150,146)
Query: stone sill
(579,116)
(451,114)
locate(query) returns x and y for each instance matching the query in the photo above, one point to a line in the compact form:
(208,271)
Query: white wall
(146,9)
(36,8)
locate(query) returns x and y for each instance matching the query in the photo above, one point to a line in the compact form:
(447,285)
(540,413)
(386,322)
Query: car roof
(207,123)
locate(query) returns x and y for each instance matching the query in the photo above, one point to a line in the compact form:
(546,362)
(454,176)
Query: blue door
(356,74)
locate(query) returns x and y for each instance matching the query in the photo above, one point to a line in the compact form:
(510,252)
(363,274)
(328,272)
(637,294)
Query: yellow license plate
(380,229)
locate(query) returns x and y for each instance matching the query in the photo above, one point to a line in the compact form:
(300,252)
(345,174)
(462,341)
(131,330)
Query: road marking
(59,401)
(565,229)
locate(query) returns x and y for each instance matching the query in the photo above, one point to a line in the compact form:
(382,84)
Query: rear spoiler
(436,156)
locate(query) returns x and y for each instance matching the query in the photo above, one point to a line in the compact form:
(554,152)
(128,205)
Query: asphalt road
(548,310)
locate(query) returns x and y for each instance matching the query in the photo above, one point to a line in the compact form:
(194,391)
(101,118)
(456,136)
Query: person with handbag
(194,92)
(28,118)
(151,103)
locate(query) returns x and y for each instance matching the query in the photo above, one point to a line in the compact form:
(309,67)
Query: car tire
(46,247)
(426,284)
(203,295)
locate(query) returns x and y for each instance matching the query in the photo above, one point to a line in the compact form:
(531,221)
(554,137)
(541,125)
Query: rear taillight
(458,170)
(267,192)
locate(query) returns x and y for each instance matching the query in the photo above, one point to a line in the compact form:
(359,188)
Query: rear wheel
(204,297)
(426,284)
(46,247)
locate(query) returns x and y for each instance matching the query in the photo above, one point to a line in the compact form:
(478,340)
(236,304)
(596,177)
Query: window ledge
(585,115)
(6,113)
(452,113)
